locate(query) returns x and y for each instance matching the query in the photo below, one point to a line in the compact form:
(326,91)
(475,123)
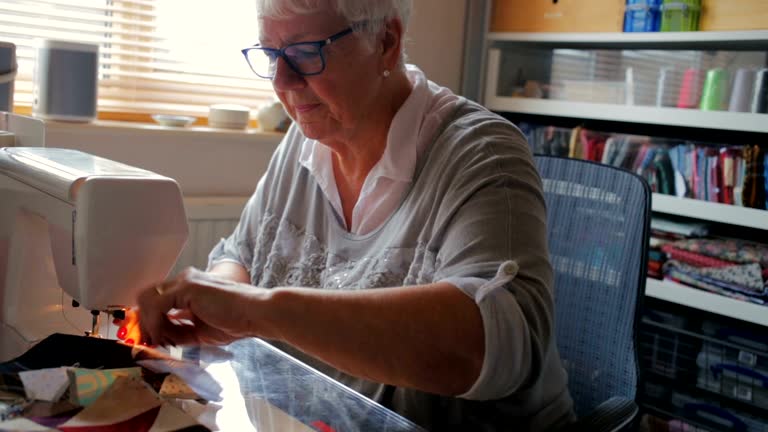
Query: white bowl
(228,116)
(173,120)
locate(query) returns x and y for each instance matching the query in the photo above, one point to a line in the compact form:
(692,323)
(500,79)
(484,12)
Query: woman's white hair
(364,16)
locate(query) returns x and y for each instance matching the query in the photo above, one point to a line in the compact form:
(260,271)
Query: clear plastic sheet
(280,393)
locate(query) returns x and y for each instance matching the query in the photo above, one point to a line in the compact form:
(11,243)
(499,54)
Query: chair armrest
(612,415)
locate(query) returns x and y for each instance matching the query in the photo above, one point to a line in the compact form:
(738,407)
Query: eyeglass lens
(304,58)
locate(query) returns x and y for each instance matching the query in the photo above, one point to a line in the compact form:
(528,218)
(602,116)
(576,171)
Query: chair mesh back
(597,223)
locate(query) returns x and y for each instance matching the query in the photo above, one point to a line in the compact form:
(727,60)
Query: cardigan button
(510,268)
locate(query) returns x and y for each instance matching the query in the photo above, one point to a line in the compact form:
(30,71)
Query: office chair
(598,221)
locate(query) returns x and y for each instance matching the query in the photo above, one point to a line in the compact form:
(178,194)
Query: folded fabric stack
(665,231)
(656,260)
(735,268)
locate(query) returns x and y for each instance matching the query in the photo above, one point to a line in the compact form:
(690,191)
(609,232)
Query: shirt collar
(317,159)
(404,139)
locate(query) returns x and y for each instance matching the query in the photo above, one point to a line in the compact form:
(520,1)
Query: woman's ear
(391,43)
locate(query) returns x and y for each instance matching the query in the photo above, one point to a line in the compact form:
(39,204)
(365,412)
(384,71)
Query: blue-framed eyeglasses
(304,58)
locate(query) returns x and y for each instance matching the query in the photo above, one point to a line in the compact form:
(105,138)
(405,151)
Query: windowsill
(156,129)
(204,161)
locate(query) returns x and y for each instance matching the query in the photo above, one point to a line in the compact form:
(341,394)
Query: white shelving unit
(710,302)
(722,120)
(751,39)
(716,120)
(696,298)
(710,211)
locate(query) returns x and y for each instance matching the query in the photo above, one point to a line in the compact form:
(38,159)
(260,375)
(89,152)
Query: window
(156,56)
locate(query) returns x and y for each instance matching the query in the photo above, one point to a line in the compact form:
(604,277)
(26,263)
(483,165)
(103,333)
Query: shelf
(677,117)
(721,120)
(742,40)
(710,211)
(709,302)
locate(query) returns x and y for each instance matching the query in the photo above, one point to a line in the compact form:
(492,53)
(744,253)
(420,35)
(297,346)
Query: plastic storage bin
(665,349)
(708,413)
(642,16)
(731,379)
(680,15)
(734,363)
(750,344)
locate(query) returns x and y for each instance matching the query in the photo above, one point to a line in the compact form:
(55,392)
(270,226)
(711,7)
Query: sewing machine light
(129,331)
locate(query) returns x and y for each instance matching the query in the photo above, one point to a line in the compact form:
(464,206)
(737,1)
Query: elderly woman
(397,240)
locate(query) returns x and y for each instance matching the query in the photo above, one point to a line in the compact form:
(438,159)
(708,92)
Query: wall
(436,44)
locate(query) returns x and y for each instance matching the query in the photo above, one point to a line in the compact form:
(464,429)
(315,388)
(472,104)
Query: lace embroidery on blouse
(286,255)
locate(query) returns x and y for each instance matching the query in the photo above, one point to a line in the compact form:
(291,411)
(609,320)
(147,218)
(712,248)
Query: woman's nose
(285,77)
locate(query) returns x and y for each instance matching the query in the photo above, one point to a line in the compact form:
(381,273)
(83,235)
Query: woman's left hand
(198,308)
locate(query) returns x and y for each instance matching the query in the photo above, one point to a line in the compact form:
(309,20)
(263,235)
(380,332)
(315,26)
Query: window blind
(155,56)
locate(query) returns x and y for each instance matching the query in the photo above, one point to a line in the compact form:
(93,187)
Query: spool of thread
(760,92)
(690,89)
(713,96)
(668,86)
(741,95)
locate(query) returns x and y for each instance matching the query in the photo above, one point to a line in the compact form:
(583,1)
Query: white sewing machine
(74,226)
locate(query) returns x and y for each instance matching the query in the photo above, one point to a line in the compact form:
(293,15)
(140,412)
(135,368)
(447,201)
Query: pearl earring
(385,74)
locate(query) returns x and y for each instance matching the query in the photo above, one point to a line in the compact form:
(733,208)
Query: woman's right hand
(198,308)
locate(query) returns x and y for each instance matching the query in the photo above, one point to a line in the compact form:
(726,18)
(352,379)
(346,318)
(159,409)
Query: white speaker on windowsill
(7,75)
(65,81)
